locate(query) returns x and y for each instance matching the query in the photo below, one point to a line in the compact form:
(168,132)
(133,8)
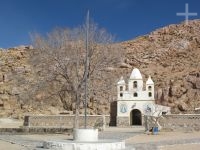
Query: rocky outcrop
(16,78)
(170,55)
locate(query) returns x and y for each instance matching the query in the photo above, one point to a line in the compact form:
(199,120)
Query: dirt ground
(182,147)
(10,123)
(10,146)
(164,137)
(141,138)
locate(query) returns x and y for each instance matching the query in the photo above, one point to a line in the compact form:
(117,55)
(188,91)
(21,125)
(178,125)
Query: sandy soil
(10,123)
(10,146)
(163,136)
(168,136)
(182,147)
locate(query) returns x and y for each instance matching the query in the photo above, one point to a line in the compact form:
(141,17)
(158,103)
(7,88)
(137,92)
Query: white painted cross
(186,13)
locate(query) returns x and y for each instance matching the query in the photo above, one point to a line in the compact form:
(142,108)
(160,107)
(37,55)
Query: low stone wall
(65,121)
(187,122)
(35,130)
(123,122)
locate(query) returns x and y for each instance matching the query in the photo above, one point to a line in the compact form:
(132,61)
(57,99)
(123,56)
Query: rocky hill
(170,55)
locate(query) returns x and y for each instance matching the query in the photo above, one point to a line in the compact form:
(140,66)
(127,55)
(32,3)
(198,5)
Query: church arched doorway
(136,117)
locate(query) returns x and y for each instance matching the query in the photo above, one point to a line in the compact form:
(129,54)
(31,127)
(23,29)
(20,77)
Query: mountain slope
(171,55)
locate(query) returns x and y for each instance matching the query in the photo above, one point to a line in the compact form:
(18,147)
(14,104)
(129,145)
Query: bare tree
(153,113)
(60,59)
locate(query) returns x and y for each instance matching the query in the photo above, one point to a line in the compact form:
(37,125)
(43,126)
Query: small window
(135,84)
(121,94)
(135,94)
(121,88)
(149,88)
(150,94)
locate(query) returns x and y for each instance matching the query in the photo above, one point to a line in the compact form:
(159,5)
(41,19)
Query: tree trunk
(76,117)
(146,123)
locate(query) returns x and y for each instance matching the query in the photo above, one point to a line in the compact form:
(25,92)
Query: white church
(133,101)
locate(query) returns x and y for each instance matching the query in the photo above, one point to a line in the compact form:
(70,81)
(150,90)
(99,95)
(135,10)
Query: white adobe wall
(139,84)
(129,104)
(142,95)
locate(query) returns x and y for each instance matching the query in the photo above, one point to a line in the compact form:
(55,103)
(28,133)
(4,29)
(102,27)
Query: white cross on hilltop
(186,13)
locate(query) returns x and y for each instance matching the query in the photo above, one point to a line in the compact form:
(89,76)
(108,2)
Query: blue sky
(126,19)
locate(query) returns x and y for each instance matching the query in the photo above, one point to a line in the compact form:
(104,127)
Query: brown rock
(6,105)
(159,93)
(4,97)
(176,91)
(16,91)
(198,83)
(124,65)
(1,103)
(191,93)
(53,110)
(182,106)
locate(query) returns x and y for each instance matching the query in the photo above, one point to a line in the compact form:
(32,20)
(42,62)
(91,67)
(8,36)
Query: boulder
(198,83)
(182,106)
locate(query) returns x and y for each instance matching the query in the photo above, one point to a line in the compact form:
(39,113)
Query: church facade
(134,100)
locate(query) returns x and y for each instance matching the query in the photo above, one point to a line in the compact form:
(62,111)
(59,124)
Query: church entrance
(136,117)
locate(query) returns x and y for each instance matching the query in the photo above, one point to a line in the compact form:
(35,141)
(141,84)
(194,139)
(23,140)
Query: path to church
(134,137)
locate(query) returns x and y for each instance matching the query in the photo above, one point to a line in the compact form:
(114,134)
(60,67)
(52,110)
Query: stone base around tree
(86,135)
(85,139)
(76,145)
